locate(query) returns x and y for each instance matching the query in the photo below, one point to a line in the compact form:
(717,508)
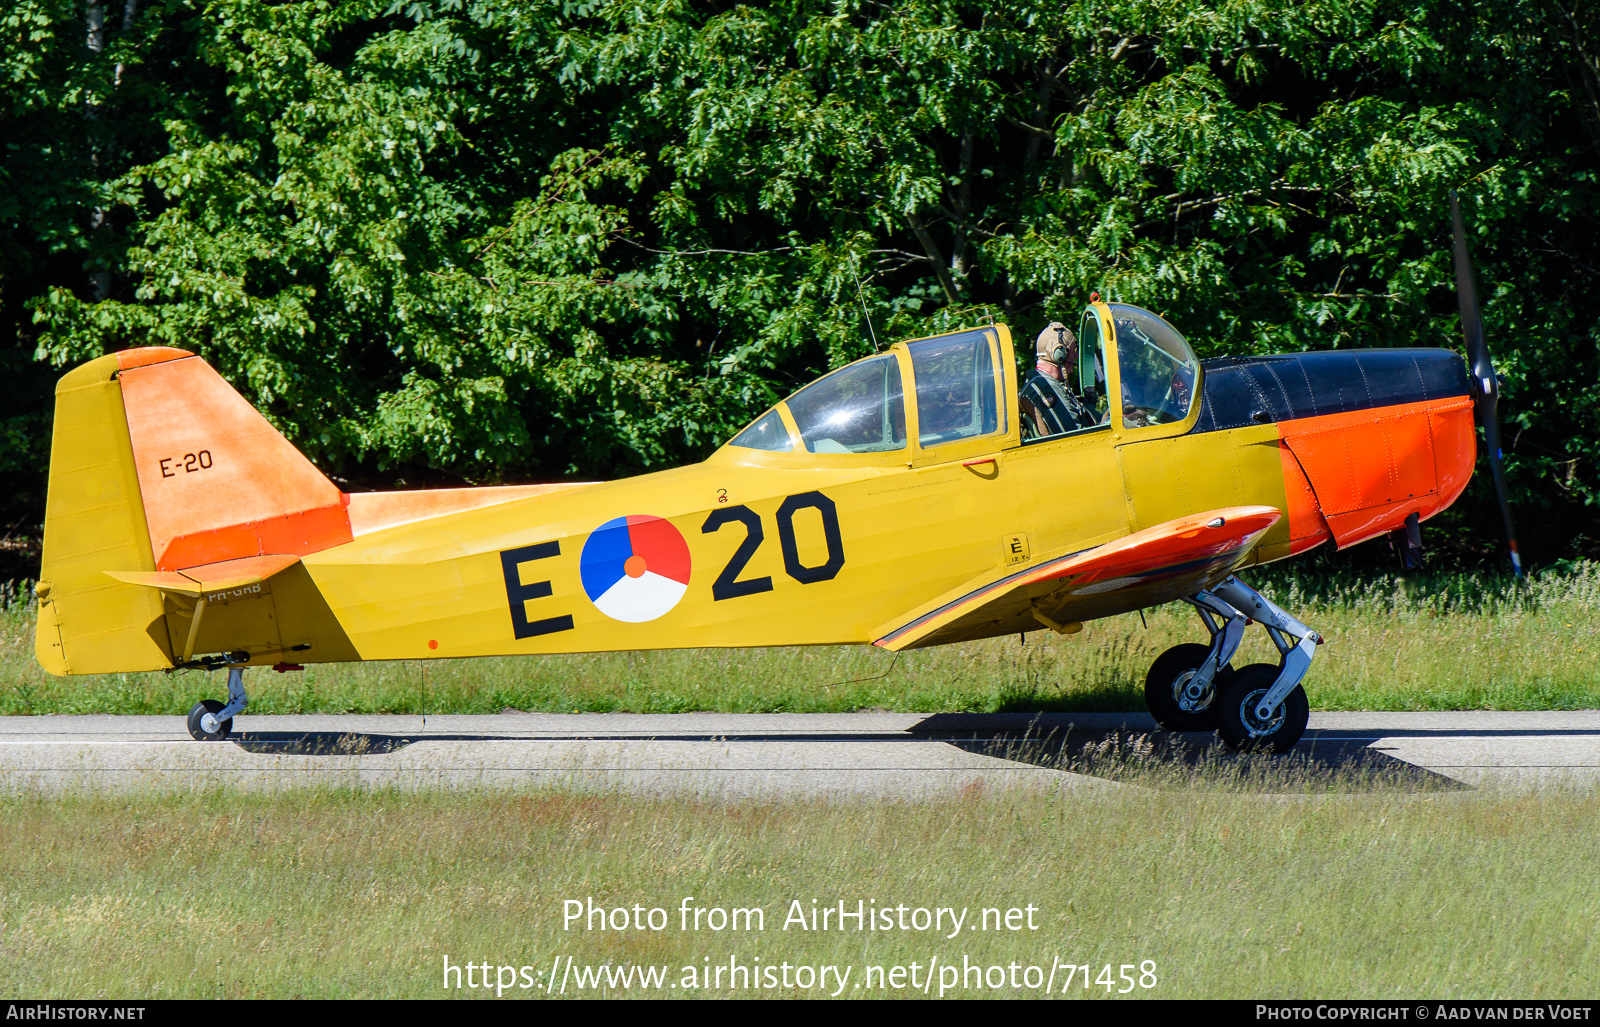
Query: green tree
(488,240)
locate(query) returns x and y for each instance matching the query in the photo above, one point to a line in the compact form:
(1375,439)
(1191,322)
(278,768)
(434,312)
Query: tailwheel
(1241,724)
(1174,698)
(203,723)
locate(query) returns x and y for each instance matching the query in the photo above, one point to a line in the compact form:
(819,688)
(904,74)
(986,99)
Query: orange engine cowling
(1362,473)
(1366,437)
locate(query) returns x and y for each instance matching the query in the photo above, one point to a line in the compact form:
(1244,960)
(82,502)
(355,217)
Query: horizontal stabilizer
(1146,568)
(210,578)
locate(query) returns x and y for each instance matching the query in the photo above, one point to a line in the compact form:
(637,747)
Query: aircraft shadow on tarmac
(1323,760)
(1179,759)
(319,743)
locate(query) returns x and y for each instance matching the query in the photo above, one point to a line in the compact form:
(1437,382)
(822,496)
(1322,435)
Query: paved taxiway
(734,755)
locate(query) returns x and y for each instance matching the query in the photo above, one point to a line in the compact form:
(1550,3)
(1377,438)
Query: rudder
(94,521)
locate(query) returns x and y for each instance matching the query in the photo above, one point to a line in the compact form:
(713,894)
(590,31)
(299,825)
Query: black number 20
(826,570)
(728,585)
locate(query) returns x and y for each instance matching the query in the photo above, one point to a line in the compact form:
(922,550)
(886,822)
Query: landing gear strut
(1181,687)
(210,720)
(1256,708)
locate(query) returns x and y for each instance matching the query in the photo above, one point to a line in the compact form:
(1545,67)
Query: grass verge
(1430,642)
(1370,894)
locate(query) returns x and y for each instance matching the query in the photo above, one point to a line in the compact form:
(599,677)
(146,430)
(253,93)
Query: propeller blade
(1486,389)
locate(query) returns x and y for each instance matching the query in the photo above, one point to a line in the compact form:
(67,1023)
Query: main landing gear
(210,720)
(1259,708)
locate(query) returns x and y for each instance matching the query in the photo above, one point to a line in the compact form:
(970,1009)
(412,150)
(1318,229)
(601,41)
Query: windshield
(766,432)
(1157,367)
(856,409)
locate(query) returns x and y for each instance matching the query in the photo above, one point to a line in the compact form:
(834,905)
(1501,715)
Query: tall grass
(1376,895)
(1425,642)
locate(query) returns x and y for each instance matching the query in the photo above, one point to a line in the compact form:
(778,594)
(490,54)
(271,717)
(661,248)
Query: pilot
(1048,406)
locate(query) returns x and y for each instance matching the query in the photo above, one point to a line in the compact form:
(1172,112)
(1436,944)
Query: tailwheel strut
(210,720)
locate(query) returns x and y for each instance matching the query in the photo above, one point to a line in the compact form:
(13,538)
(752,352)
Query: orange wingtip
(1203,535)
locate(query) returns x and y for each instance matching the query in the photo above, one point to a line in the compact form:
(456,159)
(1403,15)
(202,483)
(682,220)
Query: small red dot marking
(433,643)
(634,566)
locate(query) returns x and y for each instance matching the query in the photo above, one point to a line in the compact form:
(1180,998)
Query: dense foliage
(492,240)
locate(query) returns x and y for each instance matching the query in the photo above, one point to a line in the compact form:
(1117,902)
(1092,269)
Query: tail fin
(218,482)
(157,464)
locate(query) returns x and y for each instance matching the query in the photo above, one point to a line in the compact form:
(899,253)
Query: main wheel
(1165,684)
(1237,723)
(199,733)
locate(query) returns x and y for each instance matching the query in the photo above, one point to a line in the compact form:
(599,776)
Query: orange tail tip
(218,481)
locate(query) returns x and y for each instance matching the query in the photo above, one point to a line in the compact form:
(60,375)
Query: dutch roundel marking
(635,568)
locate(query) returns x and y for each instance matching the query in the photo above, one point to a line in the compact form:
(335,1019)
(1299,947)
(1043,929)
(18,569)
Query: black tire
(198,733)
(1165,682)
(1236,718)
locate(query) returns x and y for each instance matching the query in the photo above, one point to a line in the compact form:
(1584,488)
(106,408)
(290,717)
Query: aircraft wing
(1149,567)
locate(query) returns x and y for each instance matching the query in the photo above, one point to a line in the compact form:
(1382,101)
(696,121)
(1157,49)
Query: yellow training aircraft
(894,502)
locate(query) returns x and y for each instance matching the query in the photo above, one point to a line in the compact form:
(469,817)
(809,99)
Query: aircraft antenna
(863,299)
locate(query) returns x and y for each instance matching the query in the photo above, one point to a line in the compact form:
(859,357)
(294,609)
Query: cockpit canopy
(1157,368)
(962,391)
(861,408)
(856,409)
